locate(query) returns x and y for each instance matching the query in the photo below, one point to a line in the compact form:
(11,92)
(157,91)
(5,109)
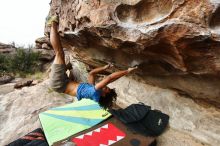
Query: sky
(22,21)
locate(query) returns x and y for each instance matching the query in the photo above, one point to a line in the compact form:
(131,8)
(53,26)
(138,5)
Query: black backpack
(142,119)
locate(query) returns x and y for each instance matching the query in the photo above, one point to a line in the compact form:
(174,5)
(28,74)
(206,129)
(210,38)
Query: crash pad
(62,122)
(103,136)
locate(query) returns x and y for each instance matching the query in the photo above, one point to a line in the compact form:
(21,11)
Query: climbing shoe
(51,19)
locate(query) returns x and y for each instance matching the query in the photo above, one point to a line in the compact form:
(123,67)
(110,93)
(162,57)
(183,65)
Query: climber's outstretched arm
(112,77)
(92,74)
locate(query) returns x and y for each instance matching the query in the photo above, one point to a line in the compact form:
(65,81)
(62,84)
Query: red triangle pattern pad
(103,136)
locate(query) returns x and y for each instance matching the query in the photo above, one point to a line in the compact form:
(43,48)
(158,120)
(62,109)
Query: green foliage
(23,61)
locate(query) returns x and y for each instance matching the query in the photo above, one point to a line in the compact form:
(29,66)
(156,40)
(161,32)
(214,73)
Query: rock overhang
(167,39)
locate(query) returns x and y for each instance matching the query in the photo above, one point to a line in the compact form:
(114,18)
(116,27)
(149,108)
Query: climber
(61,83)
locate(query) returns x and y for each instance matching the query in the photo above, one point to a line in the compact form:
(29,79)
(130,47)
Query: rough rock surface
(190,124)
(46,55)
(6,48)
(23,83)
(19,109)
(5,79)
(43,43)
(176,43)
(43,46)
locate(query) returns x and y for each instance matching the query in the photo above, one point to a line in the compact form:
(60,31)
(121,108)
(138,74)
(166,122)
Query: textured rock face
(190,124)
(20,108)
(144,12)
(215,21)
(6,48)
(44,48)
(176,43)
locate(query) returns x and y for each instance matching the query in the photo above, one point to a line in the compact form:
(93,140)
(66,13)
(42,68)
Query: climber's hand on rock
(130,69)
(110,65)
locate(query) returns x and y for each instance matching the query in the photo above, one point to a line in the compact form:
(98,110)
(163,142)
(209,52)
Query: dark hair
(108,100)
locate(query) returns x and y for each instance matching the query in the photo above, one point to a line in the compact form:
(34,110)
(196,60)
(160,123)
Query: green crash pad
(62,122)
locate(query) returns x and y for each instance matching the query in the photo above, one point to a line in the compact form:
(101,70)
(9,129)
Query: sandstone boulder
(190,124)
(19,109)
(175,42)
(23,83)
(6,48)
(5,79)
(43,43)
(45,55)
